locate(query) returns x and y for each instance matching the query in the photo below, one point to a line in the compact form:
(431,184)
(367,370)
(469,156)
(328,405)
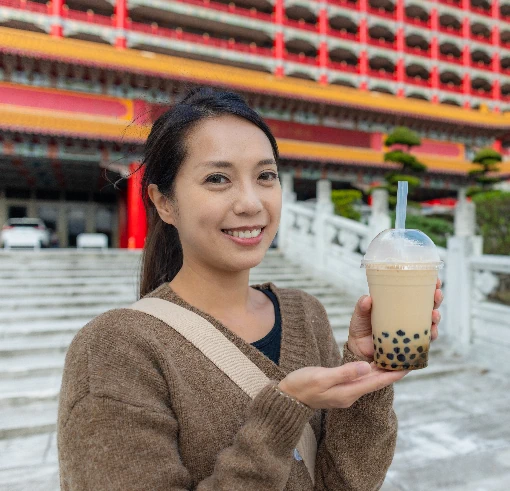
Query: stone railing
(331,247)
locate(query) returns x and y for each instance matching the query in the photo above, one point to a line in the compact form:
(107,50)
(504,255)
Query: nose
(248,200)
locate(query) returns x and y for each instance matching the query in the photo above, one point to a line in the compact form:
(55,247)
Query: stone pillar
(32,205)
(3,207)
(465,216)
(323,210)
(459,281)
(288,198)
(379,217)
(90,218)
(62,230)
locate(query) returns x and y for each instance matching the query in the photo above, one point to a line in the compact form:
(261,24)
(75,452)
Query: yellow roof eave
(72,50)
(15,118)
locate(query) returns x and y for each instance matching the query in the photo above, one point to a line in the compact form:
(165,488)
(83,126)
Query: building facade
(82,81)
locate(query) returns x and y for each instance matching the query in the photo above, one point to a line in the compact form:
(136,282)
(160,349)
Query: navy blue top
(269,345)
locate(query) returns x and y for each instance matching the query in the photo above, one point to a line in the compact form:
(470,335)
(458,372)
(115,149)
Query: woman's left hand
(360,340)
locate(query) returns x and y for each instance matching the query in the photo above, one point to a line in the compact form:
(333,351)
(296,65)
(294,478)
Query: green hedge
(344,201)
(493,221)
(438,229)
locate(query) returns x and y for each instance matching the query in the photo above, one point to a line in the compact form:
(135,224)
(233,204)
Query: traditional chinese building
(81,82)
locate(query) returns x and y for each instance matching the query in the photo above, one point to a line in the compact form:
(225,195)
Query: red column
(279,44)
(137,222)
(496,62)
(120,23)
(363,38)
(434,54)
(323,47)
(400,48)
(56,12)
(466,55)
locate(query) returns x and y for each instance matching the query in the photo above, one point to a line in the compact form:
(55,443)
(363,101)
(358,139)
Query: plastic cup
(402,267)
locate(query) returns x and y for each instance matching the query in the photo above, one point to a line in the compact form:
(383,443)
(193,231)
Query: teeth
(245,235)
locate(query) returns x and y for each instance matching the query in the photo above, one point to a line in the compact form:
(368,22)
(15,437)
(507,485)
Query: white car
(24,232)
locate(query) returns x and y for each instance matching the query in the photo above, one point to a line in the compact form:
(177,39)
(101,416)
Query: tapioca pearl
(381,351)
(384,364)
(401,333)
(407,349)
(395,341)
(385,334)
(413,356)
(407,340)
(377,355)
(396,350)
(420,349)
(426,332)
(373,337)
(423,355)
(375,347)
(390,356)
(406,366)
(416,336)
(401,357)
(380,340)
(394,365)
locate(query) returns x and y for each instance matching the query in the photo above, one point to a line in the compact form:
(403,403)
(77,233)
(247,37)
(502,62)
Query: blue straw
(400,222)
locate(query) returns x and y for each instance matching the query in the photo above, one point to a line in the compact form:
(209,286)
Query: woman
(142,409)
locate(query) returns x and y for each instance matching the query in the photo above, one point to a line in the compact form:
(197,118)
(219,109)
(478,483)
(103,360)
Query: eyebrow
(222,164)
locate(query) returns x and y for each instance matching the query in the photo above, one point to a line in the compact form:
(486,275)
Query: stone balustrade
(332,247)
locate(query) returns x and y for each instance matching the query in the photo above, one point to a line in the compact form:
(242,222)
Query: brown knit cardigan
(142,409)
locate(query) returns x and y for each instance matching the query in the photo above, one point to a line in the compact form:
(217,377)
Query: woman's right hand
(338,387)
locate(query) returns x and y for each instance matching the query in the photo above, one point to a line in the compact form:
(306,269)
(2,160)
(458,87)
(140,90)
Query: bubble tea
(402,268)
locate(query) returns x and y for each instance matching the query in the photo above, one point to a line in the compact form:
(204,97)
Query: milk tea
(402,304)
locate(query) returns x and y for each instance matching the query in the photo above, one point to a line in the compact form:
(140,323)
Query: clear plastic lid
(402,249)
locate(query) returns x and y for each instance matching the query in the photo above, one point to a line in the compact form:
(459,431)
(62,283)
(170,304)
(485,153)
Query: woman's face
(210,198)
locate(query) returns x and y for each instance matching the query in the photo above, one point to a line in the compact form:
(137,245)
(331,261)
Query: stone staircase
(47,296)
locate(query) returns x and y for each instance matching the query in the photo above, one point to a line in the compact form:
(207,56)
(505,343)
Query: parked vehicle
(24,232)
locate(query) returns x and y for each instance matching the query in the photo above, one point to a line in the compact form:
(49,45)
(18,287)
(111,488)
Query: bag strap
(225,355)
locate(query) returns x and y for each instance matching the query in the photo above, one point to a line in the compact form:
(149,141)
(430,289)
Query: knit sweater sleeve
(121,432)
(357,444)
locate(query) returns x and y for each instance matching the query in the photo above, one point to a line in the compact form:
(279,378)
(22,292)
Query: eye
(220,176)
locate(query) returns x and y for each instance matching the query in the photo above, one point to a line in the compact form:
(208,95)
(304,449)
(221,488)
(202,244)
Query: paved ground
(454,435)
(454,432)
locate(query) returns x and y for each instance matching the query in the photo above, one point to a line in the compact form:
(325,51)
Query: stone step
(23,345)
(31,365)
(27,452)
(29,419)
(132,279)
(26,390)
(11,317)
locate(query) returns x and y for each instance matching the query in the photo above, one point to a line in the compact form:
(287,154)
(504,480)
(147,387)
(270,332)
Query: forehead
(228,138)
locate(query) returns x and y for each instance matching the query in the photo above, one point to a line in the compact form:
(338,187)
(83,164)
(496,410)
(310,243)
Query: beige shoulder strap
(225,355)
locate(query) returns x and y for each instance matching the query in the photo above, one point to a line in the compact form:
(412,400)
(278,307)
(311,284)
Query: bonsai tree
(411,166)
(487,159)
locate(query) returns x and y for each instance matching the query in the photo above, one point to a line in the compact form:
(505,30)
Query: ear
(162,204)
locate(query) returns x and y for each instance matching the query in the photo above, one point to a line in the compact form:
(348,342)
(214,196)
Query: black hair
(164,153)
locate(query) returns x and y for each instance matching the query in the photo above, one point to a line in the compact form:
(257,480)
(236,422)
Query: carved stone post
(323,210)
(459,279)
(380,217)
(288,197)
